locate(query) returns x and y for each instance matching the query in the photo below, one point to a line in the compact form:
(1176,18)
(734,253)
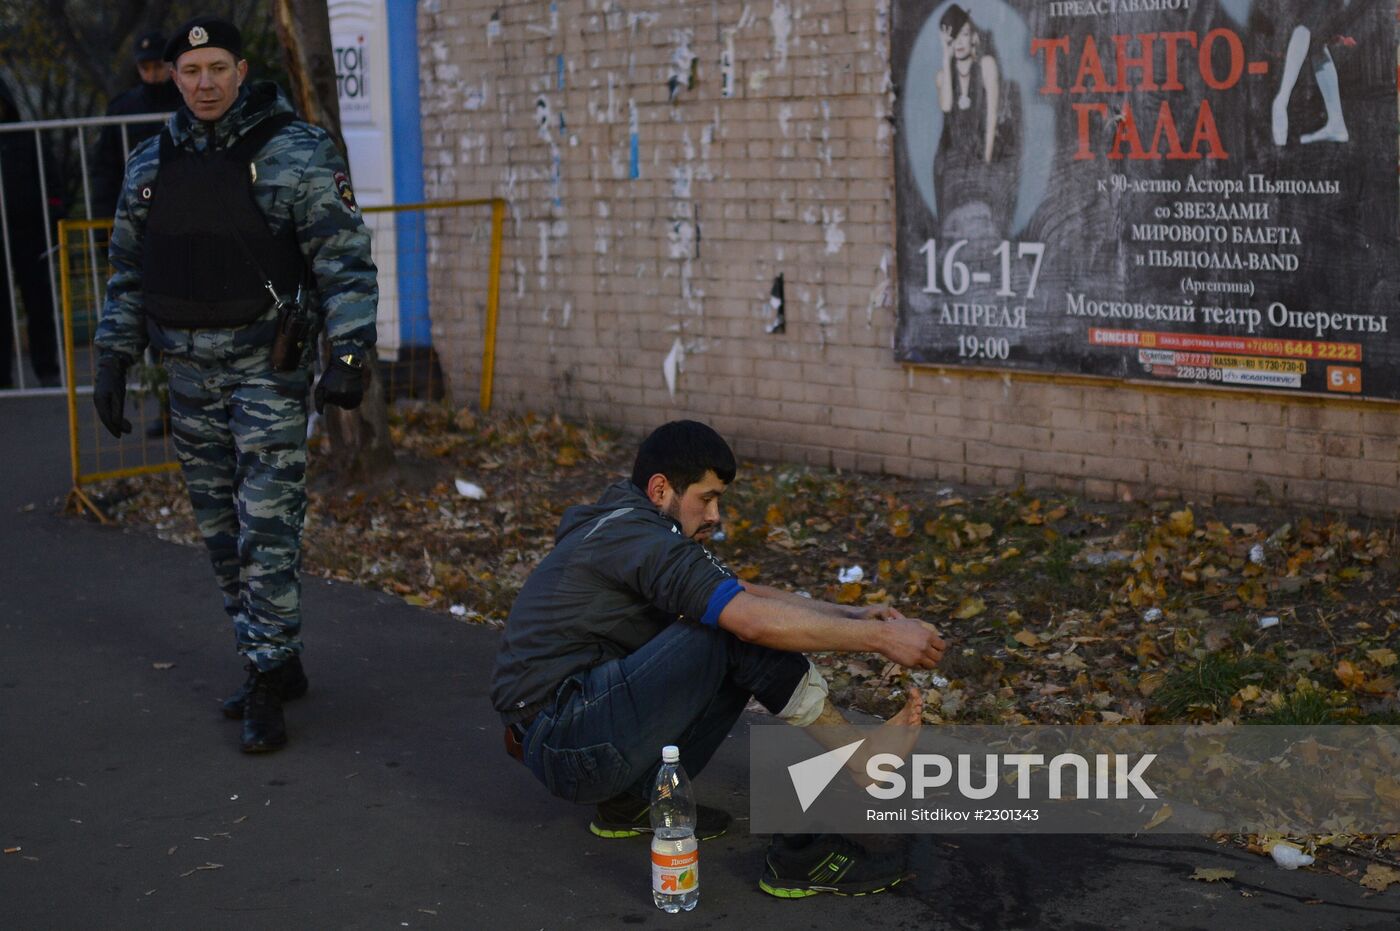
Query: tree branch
(68,34)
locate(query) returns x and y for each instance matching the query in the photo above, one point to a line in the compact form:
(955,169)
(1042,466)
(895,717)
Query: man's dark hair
(683,451)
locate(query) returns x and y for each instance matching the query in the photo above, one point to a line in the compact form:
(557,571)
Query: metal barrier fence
(402,234)
(36,192)
(82,284)
(408,312)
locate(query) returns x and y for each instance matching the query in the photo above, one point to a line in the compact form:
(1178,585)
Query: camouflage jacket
(301,179)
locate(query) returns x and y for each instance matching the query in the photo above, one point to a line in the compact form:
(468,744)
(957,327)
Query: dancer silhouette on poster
(1309,41)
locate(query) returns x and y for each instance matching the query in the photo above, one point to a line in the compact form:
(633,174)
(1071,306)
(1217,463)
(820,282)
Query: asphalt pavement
(125,802)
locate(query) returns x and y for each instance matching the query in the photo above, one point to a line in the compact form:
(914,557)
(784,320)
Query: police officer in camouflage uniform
(233,202)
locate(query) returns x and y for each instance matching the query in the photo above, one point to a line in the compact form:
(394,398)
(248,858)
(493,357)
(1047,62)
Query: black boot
(294,685)
(264,728)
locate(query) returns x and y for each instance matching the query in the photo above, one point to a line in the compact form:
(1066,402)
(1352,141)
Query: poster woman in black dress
(974,163)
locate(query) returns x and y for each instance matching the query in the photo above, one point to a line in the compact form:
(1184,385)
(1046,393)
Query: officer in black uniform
(155,94)
(28,261)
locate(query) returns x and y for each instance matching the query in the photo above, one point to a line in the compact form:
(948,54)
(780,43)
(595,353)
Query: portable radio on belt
(293,329)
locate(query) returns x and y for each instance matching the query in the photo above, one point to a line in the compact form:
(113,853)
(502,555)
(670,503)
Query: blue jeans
(603,735)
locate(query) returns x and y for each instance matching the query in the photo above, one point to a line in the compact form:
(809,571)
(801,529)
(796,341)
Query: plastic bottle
(675,854)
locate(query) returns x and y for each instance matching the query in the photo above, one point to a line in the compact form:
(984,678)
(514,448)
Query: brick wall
(607,275)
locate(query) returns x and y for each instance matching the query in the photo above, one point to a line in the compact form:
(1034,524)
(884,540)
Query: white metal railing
(50,136)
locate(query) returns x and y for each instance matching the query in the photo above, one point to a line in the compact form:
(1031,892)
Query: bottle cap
(670,754)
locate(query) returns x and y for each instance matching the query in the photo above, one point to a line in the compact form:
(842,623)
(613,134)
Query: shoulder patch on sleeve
(342,188)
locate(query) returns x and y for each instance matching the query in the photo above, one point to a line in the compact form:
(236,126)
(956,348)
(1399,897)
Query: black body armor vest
(208,252)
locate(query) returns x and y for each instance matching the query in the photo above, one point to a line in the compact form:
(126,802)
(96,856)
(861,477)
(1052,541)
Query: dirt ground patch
(1057,610)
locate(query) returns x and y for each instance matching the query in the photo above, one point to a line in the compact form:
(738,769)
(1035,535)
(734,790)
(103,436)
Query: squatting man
(631,635)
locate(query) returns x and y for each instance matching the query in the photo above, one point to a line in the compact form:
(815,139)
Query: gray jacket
(619,573)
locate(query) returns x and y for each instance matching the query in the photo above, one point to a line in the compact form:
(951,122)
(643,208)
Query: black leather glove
(109,393)
(342,383)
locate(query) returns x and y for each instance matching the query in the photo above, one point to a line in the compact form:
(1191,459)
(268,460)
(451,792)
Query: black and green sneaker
(629,816)
(830,863)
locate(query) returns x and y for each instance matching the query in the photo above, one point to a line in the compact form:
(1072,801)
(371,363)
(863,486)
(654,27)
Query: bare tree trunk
(360,445)
(304,27)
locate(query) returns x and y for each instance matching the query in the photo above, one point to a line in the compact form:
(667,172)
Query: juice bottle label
(675,874)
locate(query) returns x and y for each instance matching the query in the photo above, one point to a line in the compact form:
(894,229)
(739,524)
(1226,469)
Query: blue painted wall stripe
(415,324)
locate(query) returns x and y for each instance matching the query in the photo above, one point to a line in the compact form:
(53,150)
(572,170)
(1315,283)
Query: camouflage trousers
(240,432)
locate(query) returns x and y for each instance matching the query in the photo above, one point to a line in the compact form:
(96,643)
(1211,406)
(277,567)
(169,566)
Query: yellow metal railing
(92,277)
(493,281)
(82,285)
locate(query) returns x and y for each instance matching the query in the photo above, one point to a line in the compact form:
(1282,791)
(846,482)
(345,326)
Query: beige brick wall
(604,275)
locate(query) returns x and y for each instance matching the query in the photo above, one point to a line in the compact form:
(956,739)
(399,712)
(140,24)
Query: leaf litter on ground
(1057,610)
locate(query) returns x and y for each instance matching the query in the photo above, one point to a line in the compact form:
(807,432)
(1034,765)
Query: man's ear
(242,70)
(657,490)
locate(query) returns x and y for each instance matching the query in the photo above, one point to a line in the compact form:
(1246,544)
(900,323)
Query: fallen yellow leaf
(1347,674)
(1381,685)
(971,606)
(1162,815)
(1384,658)
(1250,693)
(1380,878)
(1388,790)
(1148,651)
(1212,876)
(1150,682)
(849,593)
(1026,638)
(977,531)
(1182,523)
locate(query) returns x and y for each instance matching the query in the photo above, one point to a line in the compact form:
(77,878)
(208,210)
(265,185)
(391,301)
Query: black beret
(149,47)
(205,32)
